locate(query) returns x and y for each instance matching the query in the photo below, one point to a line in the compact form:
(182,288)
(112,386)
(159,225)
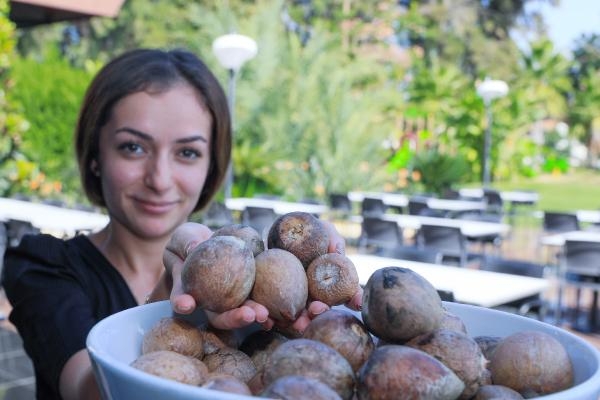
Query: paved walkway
(17,381)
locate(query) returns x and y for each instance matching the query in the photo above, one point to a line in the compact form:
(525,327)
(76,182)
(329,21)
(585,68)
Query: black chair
(558,222)
(16,229)
(580,268)
(495,240)
(259,218)
(530,306)
(217,215)
(378,234)
(493,201)
(449,240)
(340,204)
(373,207)
(412,253)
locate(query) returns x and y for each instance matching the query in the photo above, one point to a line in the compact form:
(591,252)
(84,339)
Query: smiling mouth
(156,207)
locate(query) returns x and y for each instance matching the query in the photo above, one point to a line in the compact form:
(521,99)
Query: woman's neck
(138,260)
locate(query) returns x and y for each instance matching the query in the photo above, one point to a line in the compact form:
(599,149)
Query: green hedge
(50,93)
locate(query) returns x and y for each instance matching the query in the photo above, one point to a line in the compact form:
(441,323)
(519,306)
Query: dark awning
(35,12)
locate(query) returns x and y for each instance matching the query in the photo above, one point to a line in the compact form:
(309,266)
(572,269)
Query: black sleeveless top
(59,289)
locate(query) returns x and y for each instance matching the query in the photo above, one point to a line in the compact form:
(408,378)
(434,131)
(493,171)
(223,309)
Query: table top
(589,216)
(401,200)
(279,206)
(468,227)
(482,288)
(513,196)
(51,219)
(558,239)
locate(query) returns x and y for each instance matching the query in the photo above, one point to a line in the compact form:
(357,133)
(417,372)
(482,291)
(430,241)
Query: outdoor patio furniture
(533,305)
(412,253)
(372,207)
(217,215)
(555,222)
(377,234)
(259,218)
(448,240)
(580,268)
(340,204)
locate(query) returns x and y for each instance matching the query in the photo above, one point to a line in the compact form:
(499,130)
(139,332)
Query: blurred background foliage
(343,94)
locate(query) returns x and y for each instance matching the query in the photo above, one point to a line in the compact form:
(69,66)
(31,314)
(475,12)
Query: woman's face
(154,159)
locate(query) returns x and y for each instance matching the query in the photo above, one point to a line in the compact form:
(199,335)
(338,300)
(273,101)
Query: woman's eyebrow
(148,137)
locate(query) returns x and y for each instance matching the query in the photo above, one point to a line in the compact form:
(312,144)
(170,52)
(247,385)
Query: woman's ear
(95,168)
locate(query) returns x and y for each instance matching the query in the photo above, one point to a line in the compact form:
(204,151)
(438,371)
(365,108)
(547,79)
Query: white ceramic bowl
(116,341)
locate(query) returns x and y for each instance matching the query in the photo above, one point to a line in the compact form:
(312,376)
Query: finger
(355,302)
(316,308)
(261,312)
(301,322)
(232,319)
(337,244)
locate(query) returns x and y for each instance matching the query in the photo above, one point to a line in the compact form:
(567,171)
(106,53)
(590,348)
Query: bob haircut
(151,70)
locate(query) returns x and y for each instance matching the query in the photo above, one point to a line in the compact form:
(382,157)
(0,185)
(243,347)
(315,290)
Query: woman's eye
(131,148)
(190,154)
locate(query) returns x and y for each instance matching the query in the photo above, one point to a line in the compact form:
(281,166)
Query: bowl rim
(587,387)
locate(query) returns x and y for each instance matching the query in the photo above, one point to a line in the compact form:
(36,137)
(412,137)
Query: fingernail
(339,248)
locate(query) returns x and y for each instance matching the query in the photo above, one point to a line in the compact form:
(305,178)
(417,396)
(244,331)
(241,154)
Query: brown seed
(532,363)
(231,362)
(312,359)
(176,335)
(280,284)
(400,372)
(170,365)
(219,273)
(300,233)
(345,333)
(332,279)
(246,233)
(399,304)
(226,383)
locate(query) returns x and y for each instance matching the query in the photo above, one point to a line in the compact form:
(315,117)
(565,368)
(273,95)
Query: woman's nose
(158,173)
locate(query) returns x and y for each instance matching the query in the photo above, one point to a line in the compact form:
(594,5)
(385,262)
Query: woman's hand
(188,236)
(185,238)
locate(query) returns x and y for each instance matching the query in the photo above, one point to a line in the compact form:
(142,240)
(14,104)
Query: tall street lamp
(489,90)
(232,51)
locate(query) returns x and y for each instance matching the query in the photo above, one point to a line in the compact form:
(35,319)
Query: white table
(482,288)
(51,219)
(401,200)
(390,199)
(512,196)
(470,228)
(588,216)
(559,239)
(279,206)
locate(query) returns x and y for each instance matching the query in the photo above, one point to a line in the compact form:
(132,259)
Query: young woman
(153,143)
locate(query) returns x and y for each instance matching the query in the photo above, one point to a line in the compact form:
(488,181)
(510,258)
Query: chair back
(512,266)
(259,218)
(16,229)
(493,200)
(340,202)
(582,258)
(373,207)
(557,222)
(449,240)
(377,234)
(418,206)
(217,215)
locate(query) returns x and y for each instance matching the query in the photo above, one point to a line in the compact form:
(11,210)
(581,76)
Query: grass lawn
(573,191)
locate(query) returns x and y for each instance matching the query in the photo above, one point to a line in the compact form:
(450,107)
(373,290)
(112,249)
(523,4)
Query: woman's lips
(156,207)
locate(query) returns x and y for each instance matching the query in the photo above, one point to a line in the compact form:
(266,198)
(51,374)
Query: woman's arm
(77,378)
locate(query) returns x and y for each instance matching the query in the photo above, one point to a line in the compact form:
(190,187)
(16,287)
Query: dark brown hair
(156,70)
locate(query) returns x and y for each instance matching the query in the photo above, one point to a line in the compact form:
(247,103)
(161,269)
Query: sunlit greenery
(343,95)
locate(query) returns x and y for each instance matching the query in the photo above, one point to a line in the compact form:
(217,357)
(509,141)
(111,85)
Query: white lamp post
(232,51)
(489,90)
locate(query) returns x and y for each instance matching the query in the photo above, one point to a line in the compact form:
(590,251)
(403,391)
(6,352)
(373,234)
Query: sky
(569,20)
